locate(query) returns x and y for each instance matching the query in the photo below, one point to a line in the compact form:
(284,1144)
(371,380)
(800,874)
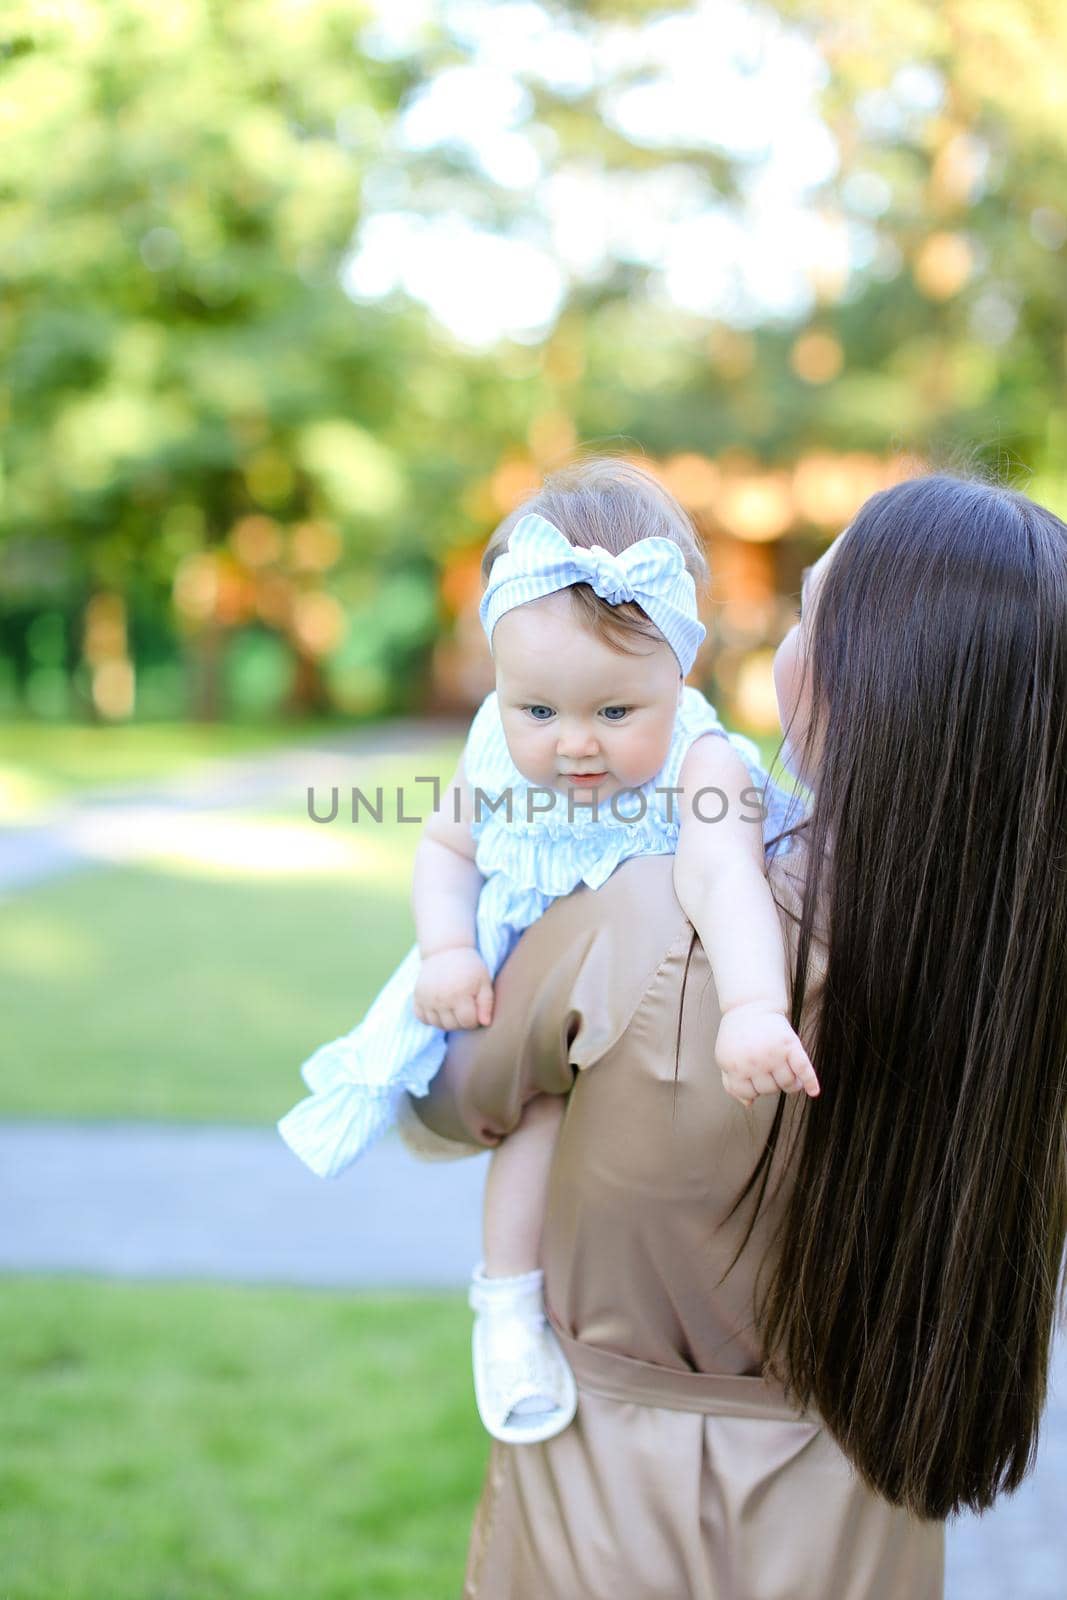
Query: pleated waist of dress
(617,1377)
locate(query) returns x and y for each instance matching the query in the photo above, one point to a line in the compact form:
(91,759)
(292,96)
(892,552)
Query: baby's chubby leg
(516,1189)
(525,1390)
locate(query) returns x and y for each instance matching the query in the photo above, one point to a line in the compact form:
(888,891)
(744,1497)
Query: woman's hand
(454,990)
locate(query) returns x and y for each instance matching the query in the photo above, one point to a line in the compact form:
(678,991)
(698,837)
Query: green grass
(193,991)
(62,758)
(135,993)
(65,758)
(191,1442)
(188,991)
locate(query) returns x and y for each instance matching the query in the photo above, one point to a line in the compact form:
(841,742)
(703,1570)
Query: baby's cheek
(647,755)
(532,757)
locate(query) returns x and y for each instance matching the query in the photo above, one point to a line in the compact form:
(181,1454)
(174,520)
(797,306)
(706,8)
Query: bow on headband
(652,572)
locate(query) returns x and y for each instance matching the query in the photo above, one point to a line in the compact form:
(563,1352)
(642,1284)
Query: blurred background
(297,300)
(301,298)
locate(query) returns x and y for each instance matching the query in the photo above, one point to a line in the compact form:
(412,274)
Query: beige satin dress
(685,1474)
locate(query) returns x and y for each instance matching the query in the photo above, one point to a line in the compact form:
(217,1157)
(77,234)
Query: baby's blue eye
(620,709)
(534,710)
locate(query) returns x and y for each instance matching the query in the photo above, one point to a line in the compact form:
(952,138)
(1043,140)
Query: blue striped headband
(652,572)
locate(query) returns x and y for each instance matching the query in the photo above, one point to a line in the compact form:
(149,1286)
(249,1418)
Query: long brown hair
(914,1297)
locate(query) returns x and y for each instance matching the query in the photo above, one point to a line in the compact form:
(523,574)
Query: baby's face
(572,706)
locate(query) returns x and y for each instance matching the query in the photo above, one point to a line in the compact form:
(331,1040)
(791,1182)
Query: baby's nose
(575,742)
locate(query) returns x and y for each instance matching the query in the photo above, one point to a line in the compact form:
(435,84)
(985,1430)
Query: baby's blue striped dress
(527,861)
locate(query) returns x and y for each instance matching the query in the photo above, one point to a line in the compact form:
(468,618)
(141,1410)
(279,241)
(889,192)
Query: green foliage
(178,348)
(180,194)
(950,123)
(172,278)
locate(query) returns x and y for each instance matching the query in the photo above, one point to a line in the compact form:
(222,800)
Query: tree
(205,426)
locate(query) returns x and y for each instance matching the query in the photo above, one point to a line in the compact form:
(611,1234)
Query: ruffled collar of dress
(633,809)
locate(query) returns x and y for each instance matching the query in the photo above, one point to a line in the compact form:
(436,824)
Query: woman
(806,1332)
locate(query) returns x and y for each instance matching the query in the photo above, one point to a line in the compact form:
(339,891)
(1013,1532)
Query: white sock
(519,1295)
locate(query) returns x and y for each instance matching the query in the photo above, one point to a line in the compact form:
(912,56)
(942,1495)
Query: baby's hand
(757,1052)
(454,990)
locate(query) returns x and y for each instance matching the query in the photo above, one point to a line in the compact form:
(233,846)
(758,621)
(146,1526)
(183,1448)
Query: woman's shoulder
(595,956)
(636,914)
(602,957)
(635,910)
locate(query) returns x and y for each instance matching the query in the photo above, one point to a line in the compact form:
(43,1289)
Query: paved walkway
(104,826)
(144,1200)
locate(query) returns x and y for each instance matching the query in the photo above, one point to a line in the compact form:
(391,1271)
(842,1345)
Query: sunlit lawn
(196,989)
(47,760)
(186,1442)
(134,993)
(194,985)
(43,763)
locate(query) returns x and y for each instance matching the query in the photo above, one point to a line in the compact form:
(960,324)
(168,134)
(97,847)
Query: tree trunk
(308,695)
(205,660)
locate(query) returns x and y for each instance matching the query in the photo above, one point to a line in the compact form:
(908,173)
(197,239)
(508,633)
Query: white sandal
(518,1361)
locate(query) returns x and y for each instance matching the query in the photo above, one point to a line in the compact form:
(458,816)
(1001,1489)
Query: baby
(590,750)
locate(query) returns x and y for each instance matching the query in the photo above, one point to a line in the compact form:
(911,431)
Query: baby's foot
(523,1385)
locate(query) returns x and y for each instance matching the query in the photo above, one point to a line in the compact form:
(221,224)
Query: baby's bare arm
(720,881)
(446,882)
(453,989)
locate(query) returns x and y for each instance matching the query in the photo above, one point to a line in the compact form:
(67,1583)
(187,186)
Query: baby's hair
(604,501)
